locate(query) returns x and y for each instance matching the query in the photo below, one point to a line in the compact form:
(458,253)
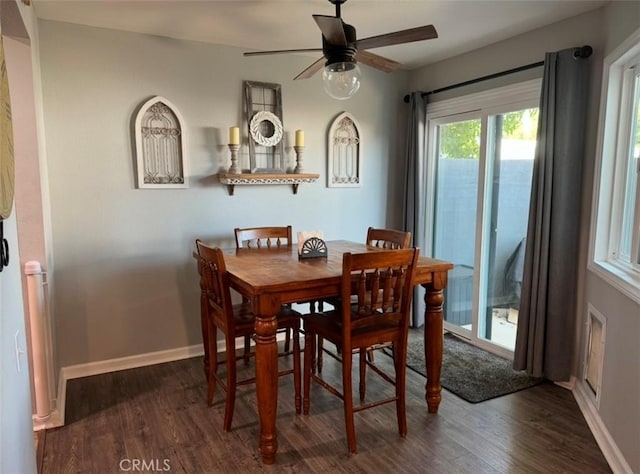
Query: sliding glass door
(455,212)
(481,168)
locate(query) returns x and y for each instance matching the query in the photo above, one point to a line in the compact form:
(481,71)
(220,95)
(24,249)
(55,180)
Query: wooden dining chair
(259,237)
(382,283)
(233,321)
(390,239)
(265,237)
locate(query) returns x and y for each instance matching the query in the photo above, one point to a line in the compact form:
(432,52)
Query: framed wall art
(160,145)
(344,153)
(263,114)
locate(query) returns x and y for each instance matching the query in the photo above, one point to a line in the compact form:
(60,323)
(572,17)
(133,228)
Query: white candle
(299,137)
(234,136)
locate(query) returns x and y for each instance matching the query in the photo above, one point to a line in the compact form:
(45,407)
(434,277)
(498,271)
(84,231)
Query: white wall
(125,279)
(27,170)
(603,29)
(17,452)
(518,51)
(619,406)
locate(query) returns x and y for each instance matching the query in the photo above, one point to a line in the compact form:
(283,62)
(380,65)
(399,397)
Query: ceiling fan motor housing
(340,53)
(340,46)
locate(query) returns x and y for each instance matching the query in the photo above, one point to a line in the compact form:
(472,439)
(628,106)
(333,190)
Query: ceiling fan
(342,51)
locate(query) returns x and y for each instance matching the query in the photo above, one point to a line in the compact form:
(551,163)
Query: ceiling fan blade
(311,70)
(376,61)
(283,51)
(332,29)
(404,36)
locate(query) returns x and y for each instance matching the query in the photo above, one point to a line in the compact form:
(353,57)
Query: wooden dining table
(270,277)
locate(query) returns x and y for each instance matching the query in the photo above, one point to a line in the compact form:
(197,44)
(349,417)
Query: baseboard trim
(130,362)
(53,421)
(56,418)
(612,454)
(114,365)
(567,385)
(124,363)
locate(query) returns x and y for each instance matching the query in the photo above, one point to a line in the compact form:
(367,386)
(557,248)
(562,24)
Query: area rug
(473,374)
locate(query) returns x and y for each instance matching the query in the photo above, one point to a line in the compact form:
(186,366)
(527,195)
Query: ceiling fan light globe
(341,80)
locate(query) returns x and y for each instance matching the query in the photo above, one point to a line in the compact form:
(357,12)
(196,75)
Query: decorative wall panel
(263,114)
(344,153)
(159,135)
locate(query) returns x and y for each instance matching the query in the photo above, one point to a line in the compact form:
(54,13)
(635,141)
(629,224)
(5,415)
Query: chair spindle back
(263,237)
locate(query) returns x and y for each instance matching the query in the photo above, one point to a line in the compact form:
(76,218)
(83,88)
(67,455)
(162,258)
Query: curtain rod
(580,52)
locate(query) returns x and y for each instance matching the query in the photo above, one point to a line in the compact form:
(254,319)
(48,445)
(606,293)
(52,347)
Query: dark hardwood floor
(155,419)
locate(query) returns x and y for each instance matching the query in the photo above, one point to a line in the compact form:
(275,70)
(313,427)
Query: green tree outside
(461,140)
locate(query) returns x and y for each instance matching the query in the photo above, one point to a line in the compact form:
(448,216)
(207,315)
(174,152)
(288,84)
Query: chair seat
(328,325)
(245,318)
(288,314)
(333,301)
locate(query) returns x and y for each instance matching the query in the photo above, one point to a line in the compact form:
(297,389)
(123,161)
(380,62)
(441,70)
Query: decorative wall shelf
(294,179)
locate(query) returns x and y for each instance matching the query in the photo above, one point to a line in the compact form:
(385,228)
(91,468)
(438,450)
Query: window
(629,152)
(616,246)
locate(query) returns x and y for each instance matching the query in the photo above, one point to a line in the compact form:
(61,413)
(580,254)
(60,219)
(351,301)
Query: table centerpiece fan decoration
(311,245)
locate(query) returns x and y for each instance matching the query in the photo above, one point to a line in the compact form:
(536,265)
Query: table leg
(433,339)
(267,384)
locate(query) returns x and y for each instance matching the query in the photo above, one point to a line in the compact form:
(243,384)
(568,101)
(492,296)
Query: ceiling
(287,24)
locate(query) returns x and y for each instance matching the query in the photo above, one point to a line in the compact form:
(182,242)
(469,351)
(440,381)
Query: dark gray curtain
(547,318)
(414,188)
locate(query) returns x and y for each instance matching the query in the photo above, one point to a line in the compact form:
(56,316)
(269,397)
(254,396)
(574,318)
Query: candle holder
(233,169)
(298,169)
